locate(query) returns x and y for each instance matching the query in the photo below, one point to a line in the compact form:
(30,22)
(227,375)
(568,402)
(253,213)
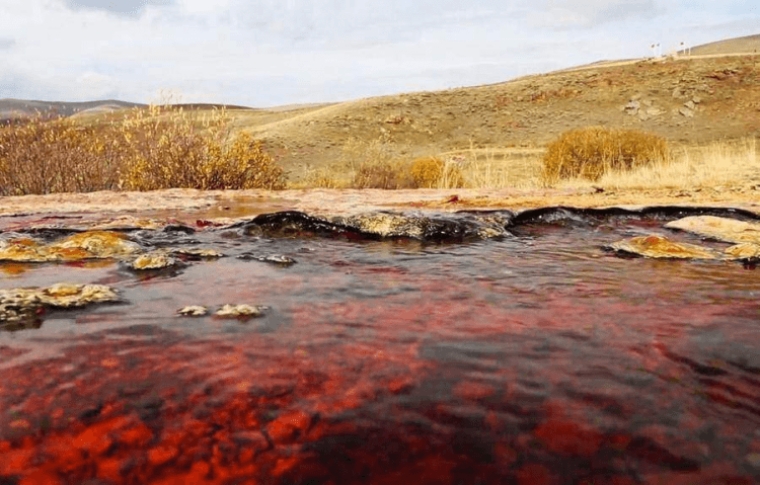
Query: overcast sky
(274,52)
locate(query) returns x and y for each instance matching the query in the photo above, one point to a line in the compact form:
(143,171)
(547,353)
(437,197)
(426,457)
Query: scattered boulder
(193,311)
(21,307)
(654,111)
(655,246)
(278,259)
(632,108)
(240,311)
(719,228)
(65,295)
(154,260)
(686,112)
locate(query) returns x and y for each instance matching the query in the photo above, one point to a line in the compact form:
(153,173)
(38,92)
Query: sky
(264,53)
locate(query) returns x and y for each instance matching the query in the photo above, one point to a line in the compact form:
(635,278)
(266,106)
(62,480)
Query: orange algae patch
(13,269)
(86,245)
(94,244)
(22,250)
(661,247)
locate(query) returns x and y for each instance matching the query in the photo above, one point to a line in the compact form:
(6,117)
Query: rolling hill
(714,94)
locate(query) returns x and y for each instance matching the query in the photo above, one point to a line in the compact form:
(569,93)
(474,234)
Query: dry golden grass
(434,173)
(719,164)
(590,153)
(157,148)
(497,167)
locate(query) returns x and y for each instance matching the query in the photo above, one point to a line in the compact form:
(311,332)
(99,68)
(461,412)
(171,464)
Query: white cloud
(117,7)
(265,52)
(587,13)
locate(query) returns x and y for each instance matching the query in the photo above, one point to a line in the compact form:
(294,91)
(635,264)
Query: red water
(538,359)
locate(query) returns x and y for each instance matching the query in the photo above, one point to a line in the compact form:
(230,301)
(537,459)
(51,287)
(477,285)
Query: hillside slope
(740,45)
(22,108)
(687,100)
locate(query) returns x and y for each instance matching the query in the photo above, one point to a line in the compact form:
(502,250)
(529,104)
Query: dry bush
(147,149)
(388,175)
(40,157)
(591,152)
(374,164)
(432,172)
(169,150)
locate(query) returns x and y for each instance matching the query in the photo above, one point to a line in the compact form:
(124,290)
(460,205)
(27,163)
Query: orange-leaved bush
(591,152)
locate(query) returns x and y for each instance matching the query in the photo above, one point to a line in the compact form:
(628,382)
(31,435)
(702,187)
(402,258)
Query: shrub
(148,149)
(380,175)
(591,152)
(432,172)
(40,157)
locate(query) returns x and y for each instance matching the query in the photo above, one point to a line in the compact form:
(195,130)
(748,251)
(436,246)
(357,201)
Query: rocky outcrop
(278,259)
(240,311)
(380,225)
(193,311)
(155,260)
(415,226)
(22,307)
(719,228)
(226,311)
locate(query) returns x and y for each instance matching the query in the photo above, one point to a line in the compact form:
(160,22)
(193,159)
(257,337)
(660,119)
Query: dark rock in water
(426,228)
(292,223)
(50,233)
(197,254)
(179,228)
(380,225)
(273,258)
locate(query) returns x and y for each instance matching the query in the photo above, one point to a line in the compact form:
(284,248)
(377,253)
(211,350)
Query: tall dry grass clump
(434,173)
(147,149)
(590,153)
(374,164)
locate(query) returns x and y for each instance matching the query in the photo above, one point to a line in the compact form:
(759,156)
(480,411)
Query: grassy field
(496,136)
